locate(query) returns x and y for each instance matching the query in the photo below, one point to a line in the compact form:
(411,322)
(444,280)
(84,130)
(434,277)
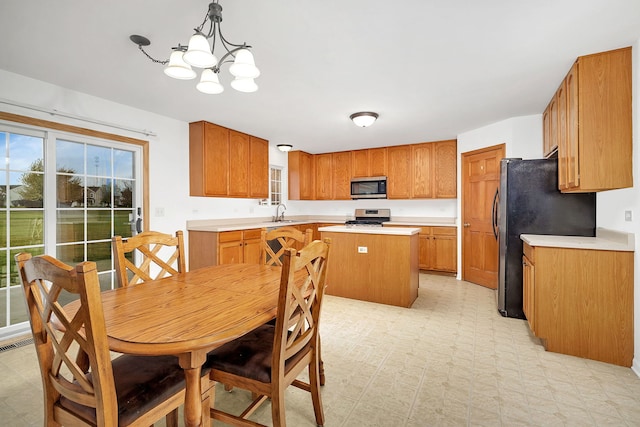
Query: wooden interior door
(480,180)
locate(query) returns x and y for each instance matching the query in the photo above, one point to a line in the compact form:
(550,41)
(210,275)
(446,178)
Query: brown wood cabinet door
(324,185)
(571,163)
(251,251)
(360,163)
(445,253)
(238,164)
(547,149)
(399,175)
(378,161)
(341,179)
(561,133)
(424,249)
(216,160)
(258,168)
(528,292)
(301,175)
(445,169)
(230,252)
(422,156)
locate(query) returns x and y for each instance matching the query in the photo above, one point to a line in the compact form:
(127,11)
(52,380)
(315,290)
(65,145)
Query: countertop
(392,231)
(605,240)
(233,224)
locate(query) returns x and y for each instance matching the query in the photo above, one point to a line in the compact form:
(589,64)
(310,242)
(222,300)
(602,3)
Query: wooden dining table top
(197,310)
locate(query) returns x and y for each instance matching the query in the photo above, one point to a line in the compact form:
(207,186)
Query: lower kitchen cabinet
(580,301)
(437,249)
(227,247)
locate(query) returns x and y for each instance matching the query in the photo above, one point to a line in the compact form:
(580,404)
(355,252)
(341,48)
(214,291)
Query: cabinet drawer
(230,236)
(254,233)
(447,231)
(529,252)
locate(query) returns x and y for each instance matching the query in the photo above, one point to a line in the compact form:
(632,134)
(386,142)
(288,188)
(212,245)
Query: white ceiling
(431,69)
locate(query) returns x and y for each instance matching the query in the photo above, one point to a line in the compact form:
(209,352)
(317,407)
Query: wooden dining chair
(273,243)
(159,251)
(270,358)
(285,238)
(82,386)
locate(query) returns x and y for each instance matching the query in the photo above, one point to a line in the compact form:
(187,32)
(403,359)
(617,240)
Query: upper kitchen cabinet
(434,170)
(324,176)
(593,123)
(369,162)
(342,173)
(301,175)
(227,163)
(399,179)
(258,163)
(445,169)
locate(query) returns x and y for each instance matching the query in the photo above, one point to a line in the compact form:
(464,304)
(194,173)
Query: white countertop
(392,231)
(234,224)
(605,240)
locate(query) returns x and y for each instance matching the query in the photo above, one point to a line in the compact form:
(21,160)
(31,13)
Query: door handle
(494,214)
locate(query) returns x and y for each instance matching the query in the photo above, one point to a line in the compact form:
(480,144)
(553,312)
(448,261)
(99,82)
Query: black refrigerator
(528,202)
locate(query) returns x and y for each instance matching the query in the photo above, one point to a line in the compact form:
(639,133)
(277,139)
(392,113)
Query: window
(64,195)
(275,187)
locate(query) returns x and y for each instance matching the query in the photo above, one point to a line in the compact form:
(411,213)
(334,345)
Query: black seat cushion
(142,383)
(250,355)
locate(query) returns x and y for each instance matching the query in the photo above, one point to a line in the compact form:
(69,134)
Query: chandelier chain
(157,61)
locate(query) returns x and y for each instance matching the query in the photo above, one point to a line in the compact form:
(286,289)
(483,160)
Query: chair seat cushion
(250,355)
(142,383)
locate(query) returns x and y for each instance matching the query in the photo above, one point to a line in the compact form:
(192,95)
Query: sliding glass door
(64,195)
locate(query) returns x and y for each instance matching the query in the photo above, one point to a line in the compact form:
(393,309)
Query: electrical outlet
(628,216)
(362,249)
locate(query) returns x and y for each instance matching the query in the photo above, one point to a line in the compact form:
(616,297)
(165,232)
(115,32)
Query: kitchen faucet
(281,216)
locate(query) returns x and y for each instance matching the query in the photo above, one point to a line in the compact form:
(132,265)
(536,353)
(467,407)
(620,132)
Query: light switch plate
(628,216)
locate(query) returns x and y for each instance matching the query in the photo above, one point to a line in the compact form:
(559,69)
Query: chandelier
(200,54)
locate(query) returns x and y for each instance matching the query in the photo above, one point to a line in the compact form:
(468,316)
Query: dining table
(188,315)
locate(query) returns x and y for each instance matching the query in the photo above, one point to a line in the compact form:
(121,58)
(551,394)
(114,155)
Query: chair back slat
(73,354)
(301,290)
(161,255)
(282,238)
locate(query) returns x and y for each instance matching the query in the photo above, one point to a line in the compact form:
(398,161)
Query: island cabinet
(373,264)
(580,301)
(590,121)
(208,248)
(301,175)
(227,163)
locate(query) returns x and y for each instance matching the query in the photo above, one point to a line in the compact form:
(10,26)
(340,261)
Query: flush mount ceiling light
(364,118)
(285,147)
(198,53)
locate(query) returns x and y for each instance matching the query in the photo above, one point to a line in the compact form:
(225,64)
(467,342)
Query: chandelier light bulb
(244,85)
(177,68)
(244,65)
(209,83)
(198,53)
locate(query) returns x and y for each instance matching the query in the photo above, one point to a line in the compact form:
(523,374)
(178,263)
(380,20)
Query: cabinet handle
(466,224)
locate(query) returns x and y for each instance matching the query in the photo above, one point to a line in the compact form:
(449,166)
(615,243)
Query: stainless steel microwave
(369,188)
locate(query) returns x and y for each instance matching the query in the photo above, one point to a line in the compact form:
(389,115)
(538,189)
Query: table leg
(192,401)
(192,365)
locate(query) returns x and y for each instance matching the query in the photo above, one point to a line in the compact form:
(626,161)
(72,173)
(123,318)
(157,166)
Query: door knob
(466,224)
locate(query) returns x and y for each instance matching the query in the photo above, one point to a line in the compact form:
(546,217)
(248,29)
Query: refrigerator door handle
(494,214)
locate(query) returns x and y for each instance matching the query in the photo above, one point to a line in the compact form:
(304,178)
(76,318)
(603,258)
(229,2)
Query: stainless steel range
(370,217)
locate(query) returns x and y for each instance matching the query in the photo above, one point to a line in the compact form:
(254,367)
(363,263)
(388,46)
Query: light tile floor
(450,360)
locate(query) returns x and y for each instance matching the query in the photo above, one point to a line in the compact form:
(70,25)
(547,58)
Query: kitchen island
(375,264)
